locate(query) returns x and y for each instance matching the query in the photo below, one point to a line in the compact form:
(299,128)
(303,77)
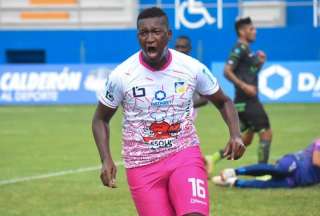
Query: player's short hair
(185,38)
(240,23)
(151,13)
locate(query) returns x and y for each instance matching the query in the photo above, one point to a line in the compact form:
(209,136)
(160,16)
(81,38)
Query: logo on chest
(160,99)
(180,87)
(138,92)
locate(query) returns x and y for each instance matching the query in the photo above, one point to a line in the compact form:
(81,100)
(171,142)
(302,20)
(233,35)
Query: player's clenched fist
(108,174)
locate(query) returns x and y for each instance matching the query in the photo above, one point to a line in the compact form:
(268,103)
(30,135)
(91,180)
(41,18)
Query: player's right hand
(108,173)
(234,149)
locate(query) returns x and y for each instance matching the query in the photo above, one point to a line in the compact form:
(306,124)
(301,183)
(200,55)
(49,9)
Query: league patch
(109,96)
(180,87)
(109,92)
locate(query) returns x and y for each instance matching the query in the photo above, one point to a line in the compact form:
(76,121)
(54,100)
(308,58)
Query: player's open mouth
(151,51)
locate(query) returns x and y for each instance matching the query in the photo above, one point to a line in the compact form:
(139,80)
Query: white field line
(53,174)
(61,173)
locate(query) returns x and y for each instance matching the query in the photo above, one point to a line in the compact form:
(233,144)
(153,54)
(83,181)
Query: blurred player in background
(292,170)
(164,165)
(242,69)
(183,44)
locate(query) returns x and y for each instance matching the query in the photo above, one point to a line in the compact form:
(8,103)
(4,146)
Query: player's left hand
(234,149)
(108,173)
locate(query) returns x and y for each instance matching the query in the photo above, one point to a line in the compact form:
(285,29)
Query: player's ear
(241,32)
(169,34)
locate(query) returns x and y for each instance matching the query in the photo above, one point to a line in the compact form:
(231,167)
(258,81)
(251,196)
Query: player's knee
(286,164)
(266,134)
(247,138)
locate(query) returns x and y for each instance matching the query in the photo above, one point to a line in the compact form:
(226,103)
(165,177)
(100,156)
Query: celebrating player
(164,165)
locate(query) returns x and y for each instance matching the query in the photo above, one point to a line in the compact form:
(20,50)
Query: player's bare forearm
(199,101)
(100,129)
(230,116)
(249,90)
(228,112)
(229,74)
(235,147)
(101,136)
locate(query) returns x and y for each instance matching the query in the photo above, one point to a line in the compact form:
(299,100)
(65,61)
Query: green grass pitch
(49,139)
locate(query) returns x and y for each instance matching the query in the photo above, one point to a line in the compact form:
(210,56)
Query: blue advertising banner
(52,84)
(296,82)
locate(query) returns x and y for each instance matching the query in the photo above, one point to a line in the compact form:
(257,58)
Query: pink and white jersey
(157,105)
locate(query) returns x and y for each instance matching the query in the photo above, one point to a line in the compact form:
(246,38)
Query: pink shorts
(176,185)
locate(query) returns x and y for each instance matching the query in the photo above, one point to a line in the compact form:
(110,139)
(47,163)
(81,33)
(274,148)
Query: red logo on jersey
(162,130)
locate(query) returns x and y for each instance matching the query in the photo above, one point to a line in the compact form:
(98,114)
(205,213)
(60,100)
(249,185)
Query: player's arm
(316,154)
(100,129)
(229,73)
(208,87)
(199,101)
(109,100)
(262,57)
(235,147)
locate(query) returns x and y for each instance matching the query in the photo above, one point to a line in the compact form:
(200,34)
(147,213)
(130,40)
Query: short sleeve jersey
(157,105)
(245,65)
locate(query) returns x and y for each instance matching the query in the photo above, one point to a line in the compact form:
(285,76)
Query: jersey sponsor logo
(160,133)
(165,143)
(138,92)
(160,95)
(180,87)
(160,99)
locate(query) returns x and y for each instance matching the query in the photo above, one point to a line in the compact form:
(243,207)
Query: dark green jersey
(246,66)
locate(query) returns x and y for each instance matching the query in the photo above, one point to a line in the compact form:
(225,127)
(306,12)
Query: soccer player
(292,170)
(164,166)
(183,44)
(242,69)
